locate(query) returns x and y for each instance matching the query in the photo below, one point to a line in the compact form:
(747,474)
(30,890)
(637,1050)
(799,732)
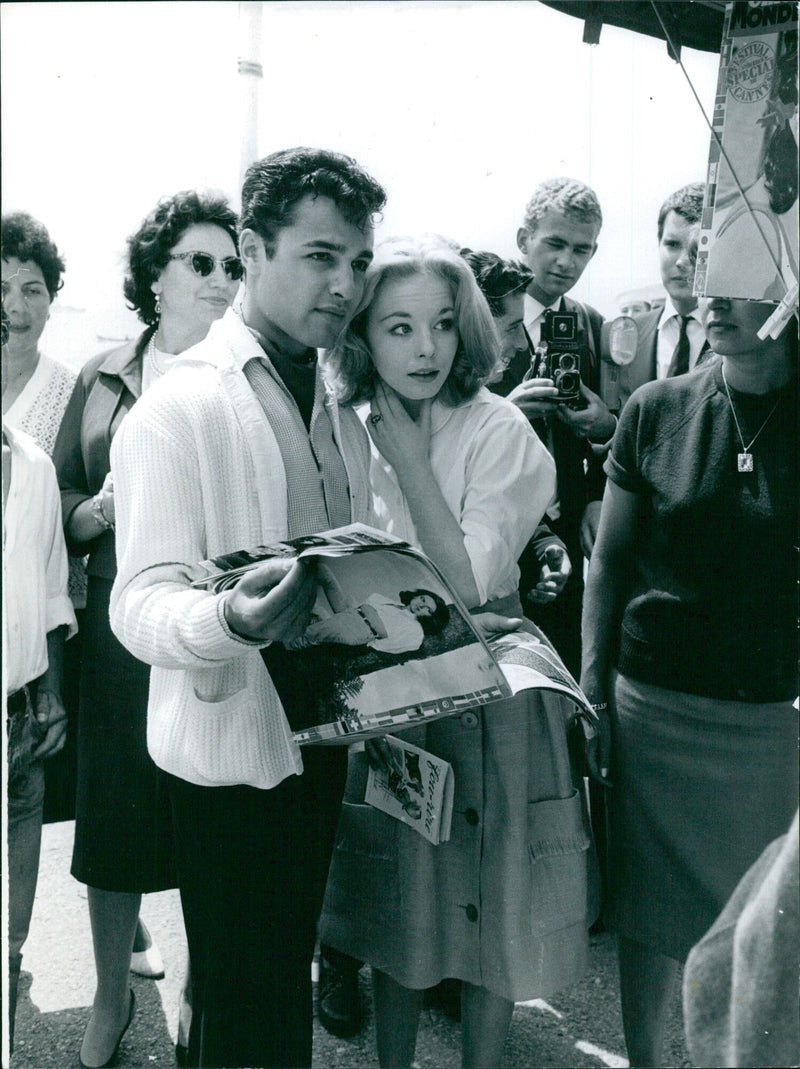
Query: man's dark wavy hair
(497,278)
(26,238)
(150,246)
(273,186)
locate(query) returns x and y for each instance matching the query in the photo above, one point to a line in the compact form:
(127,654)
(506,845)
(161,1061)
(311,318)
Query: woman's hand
(51,723)
(404,442)
(379,754)
(106,495)
(598,749)
(493,625)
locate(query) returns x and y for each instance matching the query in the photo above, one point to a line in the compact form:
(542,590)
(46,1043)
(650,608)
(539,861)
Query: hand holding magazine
(415,787)
(389,643)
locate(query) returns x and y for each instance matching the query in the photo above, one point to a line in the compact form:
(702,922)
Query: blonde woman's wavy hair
(348,366)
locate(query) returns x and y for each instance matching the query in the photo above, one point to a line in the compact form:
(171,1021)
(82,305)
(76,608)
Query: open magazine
(418,790)
(389,644)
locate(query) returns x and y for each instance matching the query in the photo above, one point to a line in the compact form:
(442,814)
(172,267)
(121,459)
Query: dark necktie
(679,364)
(702,356)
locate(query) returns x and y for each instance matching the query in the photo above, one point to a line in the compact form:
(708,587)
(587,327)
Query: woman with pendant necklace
(690,647)
(183,273)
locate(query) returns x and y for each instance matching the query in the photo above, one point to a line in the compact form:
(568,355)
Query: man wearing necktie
(558,239)
(671,341)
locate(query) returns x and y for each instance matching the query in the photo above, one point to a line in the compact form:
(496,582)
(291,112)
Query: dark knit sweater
(713,608)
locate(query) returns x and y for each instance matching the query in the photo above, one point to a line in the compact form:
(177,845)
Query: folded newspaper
(389,643)
(417,789)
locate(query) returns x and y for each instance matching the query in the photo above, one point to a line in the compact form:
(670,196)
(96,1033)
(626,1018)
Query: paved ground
(576,1029)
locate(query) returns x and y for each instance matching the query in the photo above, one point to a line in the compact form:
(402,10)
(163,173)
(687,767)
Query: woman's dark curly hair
(348,366)
(149,248)
(26,238)
(437,621)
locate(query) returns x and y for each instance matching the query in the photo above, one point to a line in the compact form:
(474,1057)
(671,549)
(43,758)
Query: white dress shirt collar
(669,311)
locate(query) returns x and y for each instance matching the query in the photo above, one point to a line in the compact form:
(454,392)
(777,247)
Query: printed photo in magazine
(417,789)
(389,643)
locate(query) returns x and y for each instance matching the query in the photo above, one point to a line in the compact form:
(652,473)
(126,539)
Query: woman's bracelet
(96,508)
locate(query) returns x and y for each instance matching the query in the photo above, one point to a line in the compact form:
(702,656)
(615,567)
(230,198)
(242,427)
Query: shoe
(339,1007)
(112,1059)
(181,1054)
(148,962)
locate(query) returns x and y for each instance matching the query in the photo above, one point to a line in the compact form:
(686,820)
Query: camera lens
(567,382)
(567,362)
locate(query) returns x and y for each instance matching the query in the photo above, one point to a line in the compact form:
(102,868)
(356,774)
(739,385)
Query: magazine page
(749,231)
(389,644)
(529,660)
(220,573)
(417,790)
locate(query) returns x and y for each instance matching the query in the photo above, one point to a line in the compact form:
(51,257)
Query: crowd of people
(294,376)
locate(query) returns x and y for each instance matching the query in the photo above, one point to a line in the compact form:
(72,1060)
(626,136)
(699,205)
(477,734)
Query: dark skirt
(701,787)
(123,825)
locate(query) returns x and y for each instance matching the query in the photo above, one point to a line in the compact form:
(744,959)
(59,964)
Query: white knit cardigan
(197,473)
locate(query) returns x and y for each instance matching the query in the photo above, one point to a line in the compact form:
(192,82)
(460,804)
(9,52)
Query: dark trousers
(252,868)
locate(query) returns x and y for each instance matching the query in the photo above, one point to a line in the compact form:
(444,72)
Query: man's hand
(594,422)
(588,529)
(537,398)
(51,723)
(556,570)
(273,602)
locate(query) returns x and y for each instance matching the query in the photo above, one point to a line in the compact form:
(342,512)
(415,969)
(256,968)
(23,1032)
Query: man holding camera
(557,240)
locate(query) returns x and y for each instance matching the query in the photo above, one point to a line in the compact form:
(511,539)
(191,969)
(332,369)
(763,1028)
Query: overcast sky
(460,109)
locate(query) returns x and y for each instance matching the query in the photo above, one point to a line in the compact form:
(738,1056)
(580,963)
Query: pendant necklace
(744,460)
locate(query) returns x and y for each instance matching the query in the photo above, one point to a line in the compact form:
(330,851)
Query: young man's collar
(533,309)
(669,311)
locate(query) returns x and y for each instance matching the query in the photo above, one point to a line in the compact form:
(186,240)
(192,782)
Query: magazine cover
(389,643)
(417,790)
(749,231)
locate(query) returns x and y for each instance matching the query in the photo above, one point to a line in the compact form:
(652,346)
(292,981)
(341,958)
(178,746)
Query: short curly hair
(566,195)
(686,202)
(26,238)
(348,366)
(150,246)
(273,186)
(497,278)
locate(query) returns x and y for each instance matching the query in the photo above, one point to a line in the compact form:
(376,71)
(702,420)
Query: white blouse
(40,406)
(496,477)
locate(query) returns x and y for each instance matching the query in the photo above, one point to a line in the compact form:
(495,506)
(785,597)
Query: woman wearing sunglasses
(183,273)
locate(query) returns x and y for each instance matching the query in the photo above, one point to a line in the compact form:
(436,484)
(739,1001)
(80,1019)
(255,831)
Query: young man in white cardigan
(240,446)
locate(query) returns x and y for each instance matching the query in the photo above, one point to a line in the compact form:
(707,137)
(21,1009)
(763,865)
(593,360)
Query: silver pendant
(745,461)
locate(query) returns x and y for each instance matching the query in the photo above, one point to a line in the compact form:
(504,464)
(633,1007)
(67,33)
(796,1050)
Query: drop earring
(158,305)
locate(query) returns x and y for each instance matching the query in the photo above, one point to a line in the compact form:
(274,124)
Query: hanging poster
(749,231)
